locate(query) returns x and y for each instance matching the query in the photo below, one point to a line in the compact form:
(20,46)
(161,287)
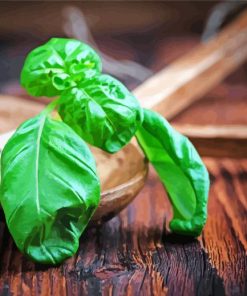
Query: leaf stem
(50,107)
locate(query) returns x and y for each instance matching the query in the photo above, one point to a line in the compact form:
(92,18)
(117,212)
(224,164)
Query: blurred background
(136,39)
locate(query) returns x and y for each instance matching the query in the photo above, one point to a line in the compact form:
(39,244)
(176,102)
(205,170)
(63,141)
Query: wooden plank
(190,77)
(217,141)
(133,255)
(225,234)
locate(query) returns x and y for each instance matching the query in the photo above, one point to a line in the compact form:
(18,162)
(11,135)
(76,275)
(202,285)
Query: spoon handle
(190,77)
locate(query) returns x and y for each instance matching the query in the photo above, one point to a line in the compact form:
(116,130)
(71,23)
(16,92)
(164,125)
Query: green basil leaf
(102,111)
(49,188)
(181,171)
(57,65)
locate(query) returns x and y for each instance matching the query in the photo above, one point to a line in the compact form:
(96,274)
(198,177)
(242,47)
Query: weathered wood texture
(133,254)
(209,139)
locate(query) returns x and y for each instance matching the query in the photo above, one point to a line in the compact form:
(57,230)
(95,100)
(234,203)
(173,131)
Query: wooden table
(133,253)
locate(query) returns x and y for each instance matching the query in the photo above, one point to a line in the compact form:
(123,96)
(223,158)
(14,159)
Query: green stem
(50,107)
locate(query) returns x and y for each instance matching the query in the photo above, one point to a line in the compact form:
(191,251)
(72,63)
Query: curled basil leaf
(181,171)
(49,188)
(57,65)
(102,111)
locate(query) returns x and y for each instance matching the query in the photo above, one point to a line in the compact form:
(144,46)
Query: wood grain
(216,140)
(190,77)
(133,254)
(226,231)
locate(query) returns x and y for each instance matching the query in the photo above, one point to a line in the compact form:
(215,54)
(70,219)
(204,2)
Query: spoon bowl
(122,176)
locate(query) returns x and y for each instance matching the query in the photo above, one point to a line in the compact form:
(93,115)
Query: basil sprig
(49,184)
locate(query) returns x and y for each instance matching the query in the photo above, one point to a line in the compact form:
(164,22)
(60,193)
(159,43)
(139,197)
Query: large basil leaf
(181,171)
(102,111)
(49,188)
(57,65)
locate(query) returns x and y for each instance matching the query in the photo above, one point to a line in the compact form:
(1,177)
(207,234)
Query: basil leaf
(102,111)
(181,171)
(49,188)
(57,65)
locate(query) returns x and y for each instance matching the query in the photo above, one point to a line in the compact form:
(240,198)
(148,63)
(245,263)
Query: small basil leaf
(181,171)
(49,188)
(58,65)
(102,111)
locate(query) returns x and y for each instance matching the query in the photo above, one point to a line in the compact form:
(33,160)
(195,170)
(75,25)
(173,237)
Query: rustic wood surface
(134,253)
(209,139)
